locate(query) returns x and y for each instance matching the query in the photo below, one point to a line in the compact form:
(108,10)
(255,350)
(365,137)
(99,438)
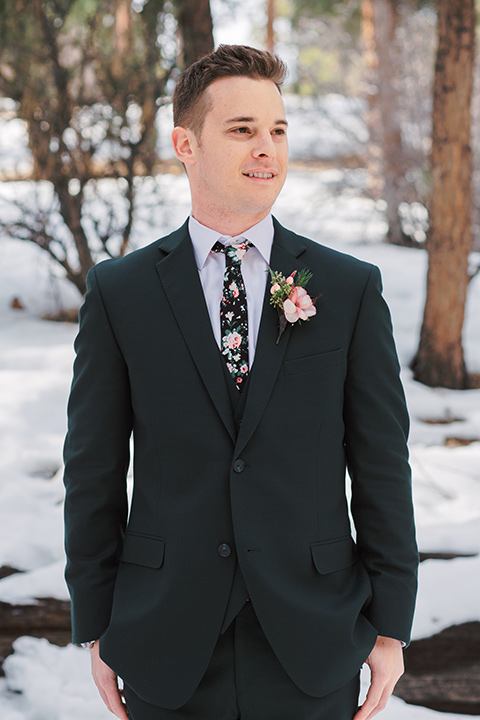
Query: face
(238,165)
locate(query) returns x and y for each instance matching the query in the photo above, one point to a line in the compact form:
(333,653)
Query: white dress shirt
(211,268)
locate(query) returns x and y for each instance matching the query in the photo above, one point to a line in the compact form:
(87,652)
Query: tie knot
(234,253)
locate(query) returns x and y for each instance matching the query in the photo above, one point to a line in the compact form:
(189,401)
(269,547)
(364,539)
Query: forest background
(386,95)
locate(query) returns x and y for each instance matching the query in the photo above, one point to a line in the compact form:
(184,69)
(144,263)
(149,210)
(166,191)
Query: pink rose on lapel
(299,306)
(292,300)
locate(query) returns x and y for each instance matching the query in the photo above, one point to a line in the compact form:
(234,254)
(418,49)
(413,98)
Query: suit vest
(238,593)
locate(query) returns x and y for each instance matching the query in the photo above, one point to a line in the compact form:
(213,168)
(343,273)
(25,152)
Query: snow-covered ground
(44,682)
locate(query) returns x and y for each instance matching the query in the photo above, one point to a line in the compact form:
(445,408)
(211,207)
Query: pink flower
(299,305)
(274,288)
(241,252)
(234,340)
(244,369)
(290,277)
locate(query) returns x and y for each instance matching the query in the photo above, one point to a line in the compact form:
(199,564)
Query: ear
(185,145)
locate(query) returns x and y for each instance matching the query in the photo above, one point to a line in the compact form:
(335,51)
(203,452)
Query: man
(236,589)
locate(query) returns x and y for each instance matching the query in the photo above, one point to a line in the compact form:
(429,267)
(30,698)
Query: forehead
(246,97)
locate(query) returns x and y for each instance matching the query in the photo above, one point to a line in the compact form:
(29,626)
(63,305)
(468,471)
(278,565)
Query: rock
(442,672)
(16,304)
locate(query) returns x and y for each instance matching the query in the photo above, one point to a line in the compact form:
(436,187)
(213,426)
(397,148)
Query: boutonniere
(291,299)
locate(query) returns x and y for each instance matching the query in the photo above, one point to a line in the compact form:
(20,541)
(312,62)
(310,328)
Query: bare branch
(80,108)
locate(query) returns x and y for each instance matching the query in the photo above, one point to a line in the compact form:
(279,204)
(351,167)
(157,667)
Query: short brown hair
(190,104)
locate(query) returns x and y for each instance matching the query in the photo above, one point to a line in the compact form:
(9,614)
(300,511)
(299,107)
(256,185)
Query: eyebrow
(240,119)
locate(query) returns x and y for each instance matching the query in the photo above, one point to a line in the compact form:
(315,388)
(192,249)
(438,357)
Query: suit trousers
(245,681)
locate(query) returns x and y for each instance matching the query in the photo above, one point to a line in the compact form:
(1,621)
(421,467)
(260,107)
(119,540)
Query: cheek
(225,168)
(215,175)
(283,156)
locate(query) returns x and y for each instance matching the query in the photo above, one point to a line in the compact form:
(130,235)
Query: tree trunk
(386,18)
(123,38)
(373,158)
(440,360)
(196,29)
(380,21)
(270,40)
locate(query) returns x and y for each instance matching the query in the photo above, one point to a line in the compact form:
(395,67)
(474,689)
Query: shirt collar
(204,238)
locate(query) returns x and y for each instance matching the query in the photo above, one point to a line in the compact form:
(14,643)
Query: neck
(231,225)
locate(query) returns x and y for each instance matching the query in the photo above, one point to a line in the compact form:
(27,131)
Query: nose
(264,147)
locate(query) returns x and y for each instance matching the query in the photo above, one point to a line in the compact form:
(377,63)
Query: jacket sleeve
(376,430)
(96,455)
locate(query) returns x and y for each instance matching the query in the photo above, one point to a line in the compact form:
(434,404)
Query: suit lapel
(286,249)
(179,276)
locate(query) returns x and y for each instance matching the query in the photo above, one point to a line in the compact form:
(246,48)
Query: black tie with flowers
(233,312)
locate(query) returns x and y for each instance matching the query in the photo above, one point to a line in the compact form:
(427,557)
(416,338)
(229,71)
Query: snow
(449,595)
(45,682)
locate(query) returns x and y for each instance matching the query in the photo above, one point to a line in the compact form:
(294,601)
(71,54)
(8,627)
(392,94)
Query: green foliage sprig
(285,285)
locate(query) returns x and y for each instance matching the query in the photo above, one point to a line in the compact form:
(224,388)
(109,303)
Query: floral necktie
(233,312)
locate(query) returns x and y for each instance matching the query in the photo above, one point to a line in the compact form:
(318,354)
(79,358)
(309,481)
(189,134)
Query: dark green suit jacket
(327,397)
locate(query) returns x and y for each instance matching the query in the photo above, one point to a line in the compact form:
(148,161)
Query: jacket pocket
(334,555)
(145,550)
(313,362)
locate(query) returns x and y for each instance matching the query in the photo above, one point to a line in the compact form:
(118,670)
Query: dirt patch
(447,420)
(48,618)
(442,672)
(454,442)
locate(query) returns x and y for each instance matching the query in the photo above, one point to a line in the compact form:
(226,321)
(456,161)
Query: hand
(386,666)
(106,682)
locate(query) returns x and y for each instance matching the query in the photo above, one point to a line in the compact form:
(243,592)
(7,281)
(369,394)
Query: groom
(235,587)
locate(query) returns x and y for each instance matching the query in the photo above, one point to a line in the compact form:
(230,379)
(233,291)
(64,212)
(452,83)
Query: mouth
(261,175)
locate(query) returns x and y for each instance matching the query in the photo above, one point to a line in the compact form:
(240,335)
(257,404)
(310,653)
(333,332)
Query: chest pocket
(310,363)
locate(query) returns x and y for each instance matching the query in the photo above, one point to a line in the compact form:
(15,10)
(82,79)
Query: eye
(242,130)
(279,131)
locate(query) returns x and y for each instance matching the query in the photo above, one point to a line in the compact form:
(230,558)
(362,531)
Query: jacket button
(239,466)
(224,550)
